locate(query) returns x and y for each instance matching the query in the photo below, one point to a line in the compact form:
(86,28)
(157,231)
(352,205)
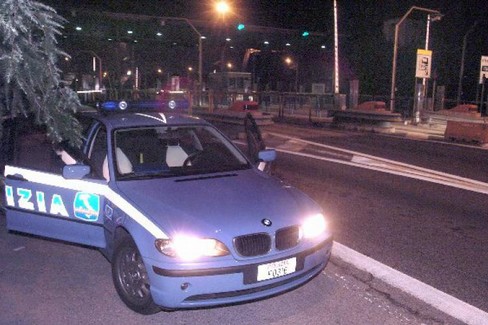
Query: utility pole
(461,69)
(395,51)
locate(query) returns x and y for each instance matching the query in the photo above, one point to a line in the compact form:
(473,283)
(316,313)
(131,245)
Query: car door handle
(16,177)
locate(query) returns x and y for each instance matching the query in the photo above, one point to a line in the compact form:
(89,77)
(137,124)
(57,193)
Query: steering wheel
(191,157)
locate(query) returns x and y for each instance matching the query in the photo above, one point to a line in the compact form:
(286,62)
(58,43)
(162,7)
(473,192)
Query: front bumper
(193,288)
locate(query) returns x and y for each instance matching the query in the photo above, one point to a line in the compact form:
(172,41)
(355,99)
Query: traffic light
(241,26)
(305,33)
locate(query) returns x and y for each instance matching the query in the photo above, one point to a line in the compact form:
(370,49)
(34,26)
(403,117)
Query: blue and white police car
(184,217)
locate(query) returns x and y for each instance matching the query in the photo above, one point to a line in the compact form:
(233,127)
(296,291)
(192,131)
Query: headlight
(190,248)
(314,226)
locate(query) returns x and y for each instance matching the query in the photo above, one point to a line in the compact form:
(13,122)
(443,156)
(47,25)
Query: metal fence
(278,103)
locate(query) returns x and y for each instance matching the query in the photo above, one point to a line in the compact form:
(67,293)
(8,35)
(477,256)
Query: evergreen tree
(30,81)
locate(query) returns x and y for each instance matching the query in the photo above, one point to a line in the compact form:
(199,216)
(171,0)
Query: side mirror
(75,171)
(267,155)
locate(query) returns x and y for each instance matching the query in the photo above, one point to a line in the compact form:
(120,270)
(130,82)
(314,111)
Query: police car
(184,217)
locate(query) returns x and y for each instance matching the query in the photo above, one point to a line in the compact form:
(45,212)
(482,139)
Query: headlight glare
(314,226)
(190,248)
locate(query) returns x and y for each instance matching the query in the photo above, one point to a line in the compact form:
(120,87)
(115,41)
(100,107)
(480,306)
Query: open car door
(57,206)
(255,143)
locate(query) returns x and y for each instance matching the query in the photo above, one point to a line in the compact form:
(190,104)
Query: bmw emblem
(266,222)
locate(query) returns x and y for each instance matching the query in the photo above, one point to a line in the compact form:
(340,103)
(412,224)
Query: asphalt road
(434,233)
(424,230)
(50,282)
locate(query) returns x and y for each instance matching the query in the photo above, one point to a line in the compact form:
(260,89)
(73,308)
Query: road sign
(424,63)
(483,68)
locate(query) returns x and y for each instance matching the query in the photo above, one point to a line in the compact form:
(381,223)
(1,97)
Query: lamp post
(200,52)
(100,72)
(430,19)
(200,48)
(293,65)
(336,51)
(461,69)
(395,50)
(222,8)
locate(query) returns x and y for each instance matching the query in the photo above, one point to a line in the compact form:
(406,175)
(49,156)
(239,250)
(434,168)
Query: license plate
(276,269)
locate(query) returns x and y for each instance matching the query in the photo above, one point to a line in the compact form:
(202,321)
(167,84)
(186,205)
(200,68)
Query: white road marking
(389,166)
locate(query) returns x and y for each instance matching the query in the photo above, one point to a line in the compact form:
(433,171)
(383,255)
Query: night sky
(310,14)
(362,41)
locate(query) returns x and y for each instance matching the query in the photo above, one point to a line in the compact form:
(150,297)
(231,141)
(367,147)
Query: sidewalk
(428,131)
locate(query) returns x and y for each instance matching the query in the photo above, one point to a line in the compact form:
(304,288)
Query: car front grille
(253,245)
(287,238)
(260,243)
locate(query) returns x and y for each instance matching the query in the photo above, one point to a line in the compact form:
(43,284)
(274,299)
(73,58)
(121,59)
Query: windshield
(165,151)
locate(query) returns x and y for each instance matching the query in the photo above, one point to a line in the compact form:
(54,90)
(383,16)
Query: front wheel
(130,278)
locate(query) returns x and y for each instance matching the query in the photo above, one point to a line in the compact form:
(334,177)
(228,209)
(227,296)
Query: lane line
(438,299)
(479,188)
(390,166)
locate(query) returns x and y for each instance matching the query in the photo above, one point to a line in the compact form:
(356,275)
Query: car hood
(218,205)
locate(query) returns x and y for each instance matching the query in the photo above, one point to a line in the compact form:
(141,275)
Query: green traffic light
(241,27)
(305,33)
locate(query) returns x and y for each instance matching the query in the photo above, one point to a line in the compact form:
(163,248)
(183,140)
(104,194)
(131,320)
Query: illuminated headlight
(314,226)
(190,248)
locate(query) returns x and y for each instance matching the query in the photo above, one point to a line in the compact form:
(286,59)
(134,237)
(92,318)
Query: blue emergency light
(123,105)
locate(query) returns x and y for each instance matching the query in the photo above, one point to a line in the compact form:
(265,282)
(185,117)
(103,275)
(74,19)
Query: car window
(165,151)
(97,154)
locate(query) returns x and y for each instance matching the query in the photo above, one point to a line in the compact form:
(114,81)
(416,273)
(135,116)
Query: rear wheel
(130,278)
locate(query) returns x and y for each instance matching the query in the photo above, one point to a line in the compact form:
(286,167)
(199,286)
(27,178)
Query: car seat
(175,155)
(124,166)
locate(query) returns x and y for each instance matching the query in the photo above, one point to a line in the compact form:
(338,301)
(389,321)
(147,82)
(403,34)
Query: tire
(130,278)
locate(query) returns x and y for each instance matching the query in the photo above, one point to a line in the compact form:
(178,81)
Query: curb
(441,301)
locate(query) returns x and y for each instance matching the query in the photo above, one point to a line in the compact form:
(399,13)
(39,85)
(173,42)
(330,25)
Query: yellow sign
(424,63)
(483,69)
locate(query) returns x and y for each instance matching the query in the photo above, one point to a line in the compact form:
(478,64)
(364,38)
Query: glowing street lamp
(293,65)
(222,7)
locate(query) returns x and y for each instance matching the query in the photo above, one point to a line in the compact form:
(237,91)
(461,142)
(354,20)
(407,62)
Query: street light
(461,70)
(293,65)
(222,7)
(430,18)
(100,73)
(200,48)
(395,50)
(336,52)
